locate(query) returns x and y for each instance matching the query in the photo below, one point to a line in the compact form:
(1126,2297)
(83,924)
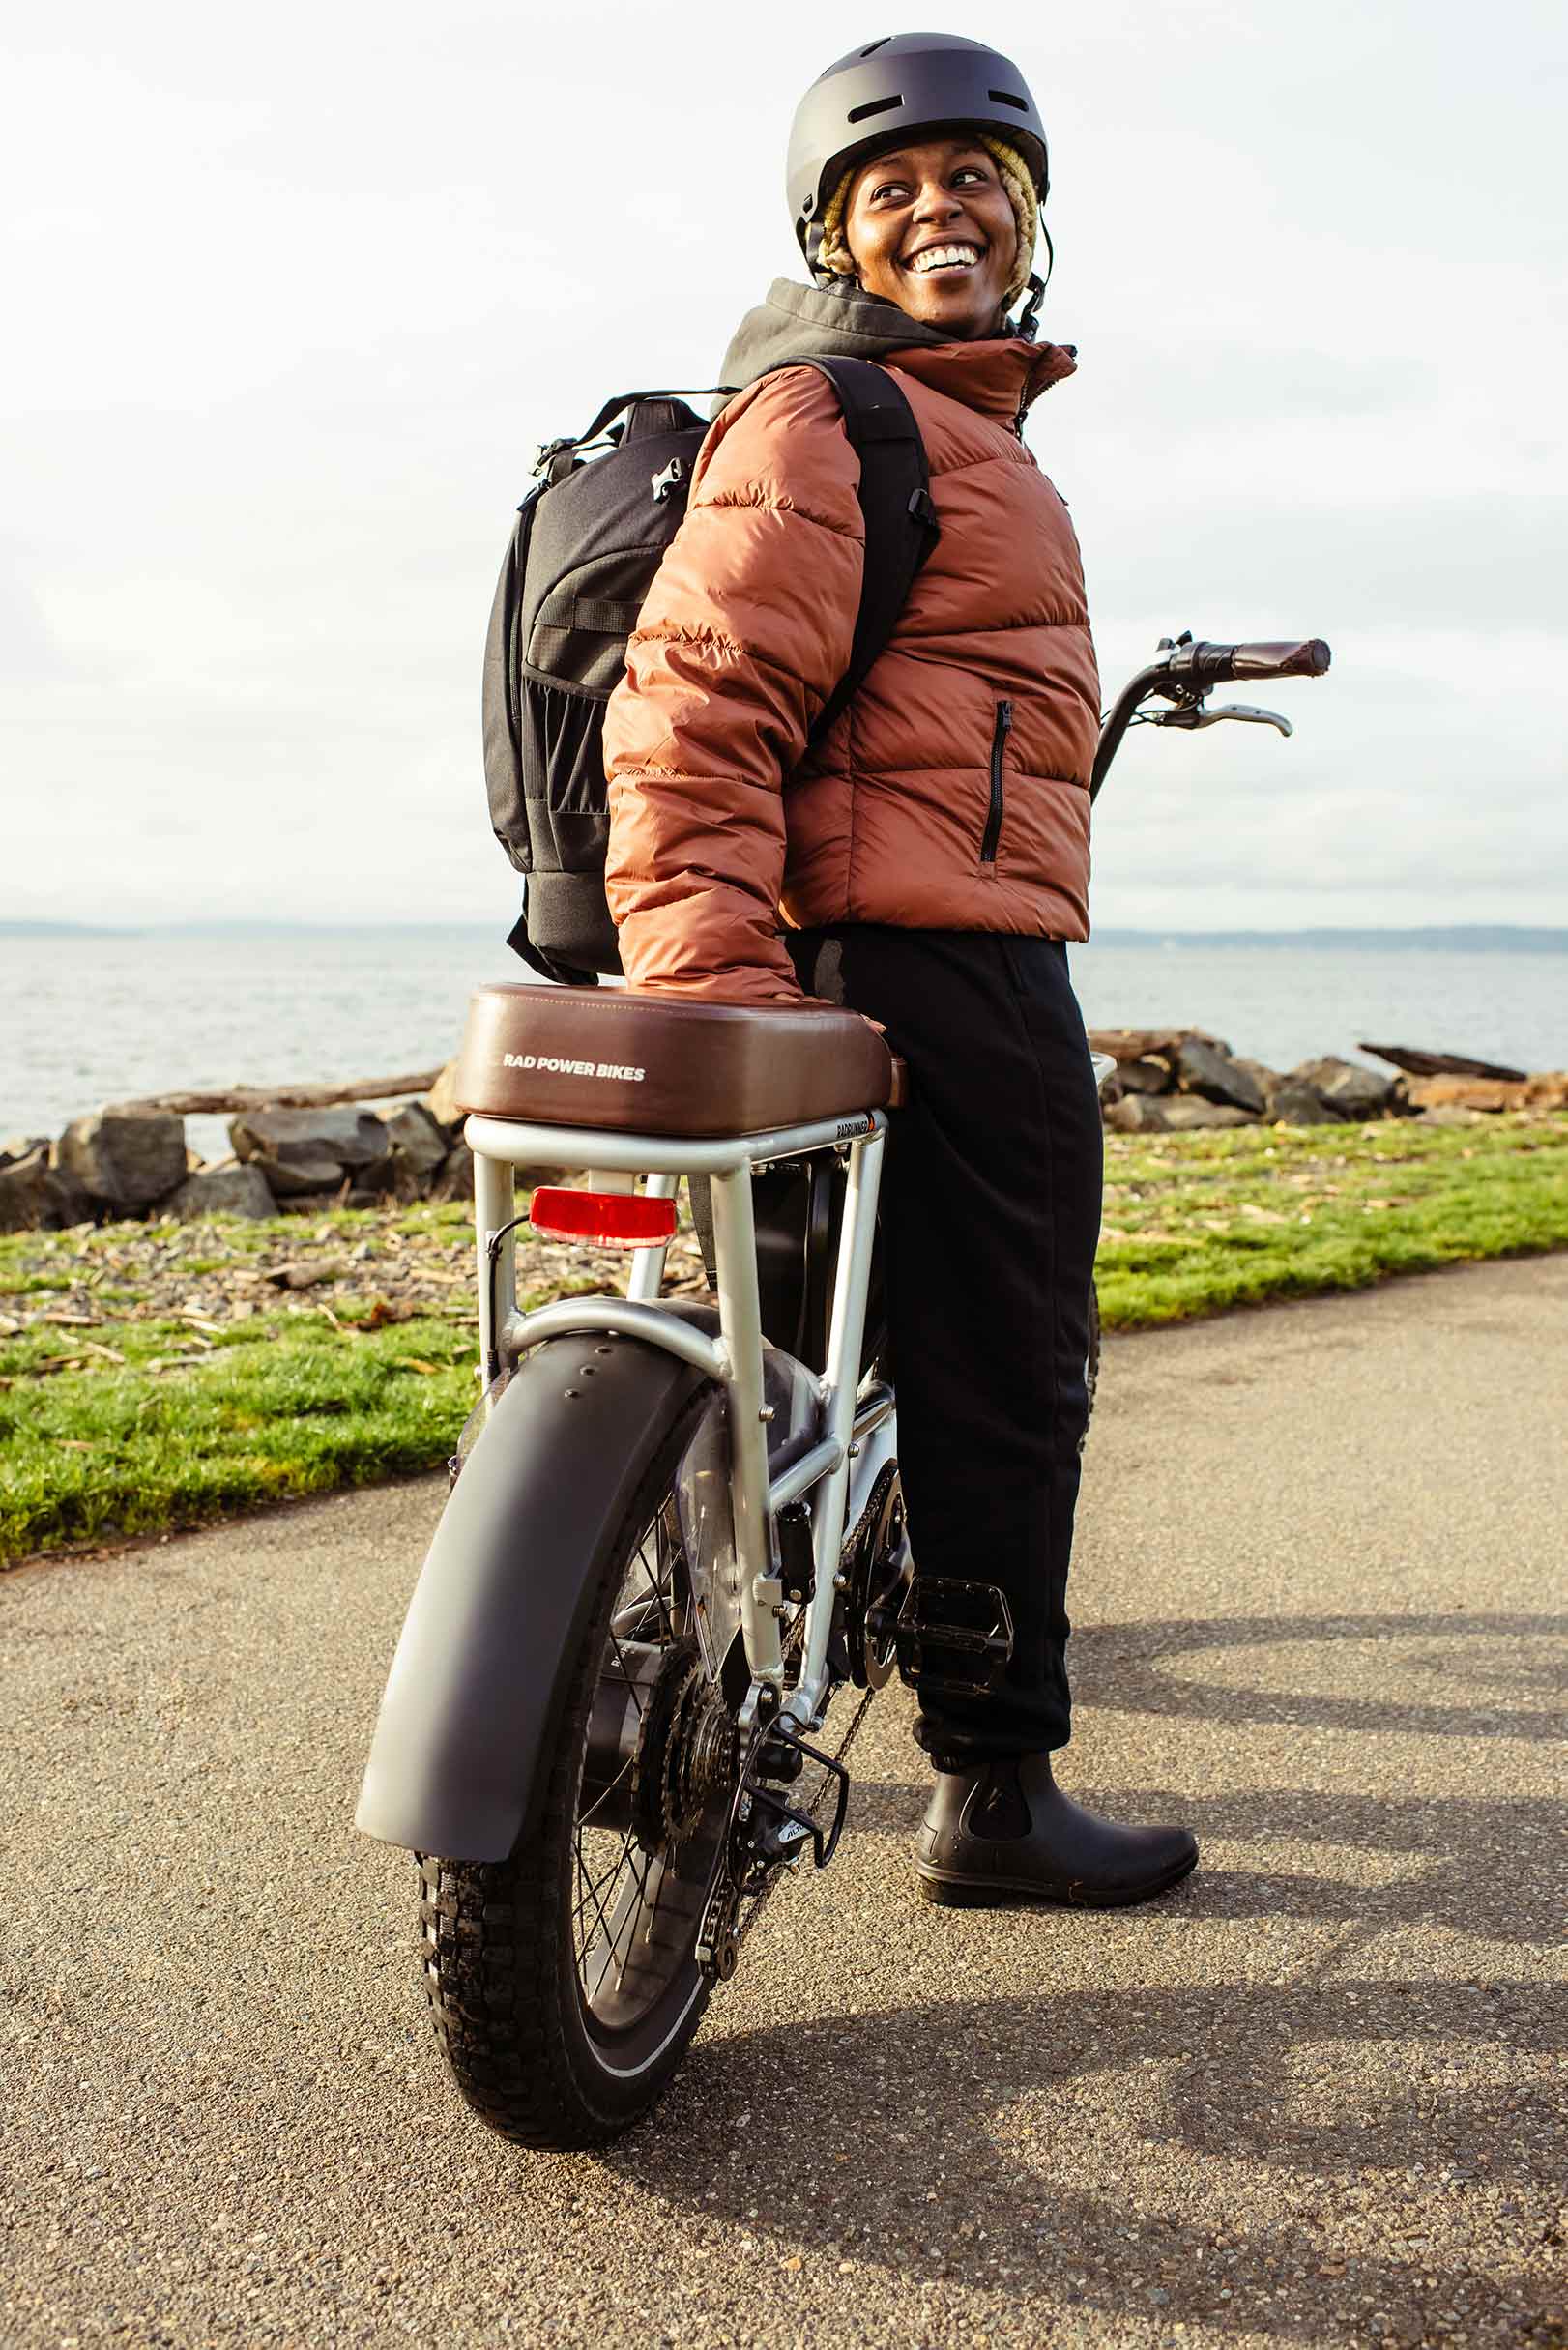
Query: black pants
(990,1213)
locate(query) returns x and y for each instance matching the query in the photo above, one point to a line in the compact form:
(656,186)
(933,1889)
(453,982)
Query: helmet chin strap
(1029,316)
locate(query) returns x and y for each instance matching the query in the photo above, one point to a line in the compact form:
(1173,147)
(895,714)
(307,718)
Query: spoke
(621,1660)
(585,1818)
(641,1883)
(593,1891)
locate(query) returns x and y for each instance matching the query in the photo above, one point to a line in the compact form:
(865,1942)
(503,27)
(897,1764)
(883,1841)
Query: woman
(926,864)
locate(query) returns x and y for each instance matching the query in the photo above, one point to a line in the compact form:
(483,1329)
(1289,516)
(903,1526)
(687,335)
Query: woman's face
(930,227)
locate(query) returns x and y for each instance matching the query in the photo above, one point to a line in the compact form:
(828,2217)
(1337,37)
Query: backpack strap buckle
(923,506)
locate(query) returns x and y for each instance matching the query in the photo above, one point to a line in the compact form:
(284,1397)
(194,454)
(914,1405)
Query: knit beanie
(1012,171)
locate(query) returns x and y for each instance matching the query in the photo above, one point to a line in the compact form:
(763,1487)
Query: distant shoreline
(1479,937)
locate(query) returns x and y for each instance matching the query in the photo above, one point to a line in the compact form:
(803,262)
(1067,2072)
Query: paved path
(1315,2096)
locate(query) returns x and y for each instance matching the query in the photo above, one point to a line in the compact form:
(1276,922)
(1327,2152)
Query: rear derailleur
(766,1832)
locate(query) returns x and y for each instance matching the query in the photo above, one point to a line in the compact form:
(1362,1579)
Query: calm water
(88,1020)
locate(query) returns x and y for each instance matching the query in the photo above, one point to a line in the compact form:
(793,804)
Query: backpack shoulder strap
(901,526)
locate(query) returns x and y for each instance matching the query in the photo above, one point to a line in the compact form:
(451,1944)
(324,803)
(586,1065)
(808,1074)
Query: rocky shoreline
(131,1161)
(1176,1080)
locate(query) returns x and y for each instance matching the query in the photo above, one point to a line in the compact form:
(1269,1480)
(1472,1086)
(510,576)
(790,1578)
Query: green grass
(1198,1223)
(181,1386)
(171,1438)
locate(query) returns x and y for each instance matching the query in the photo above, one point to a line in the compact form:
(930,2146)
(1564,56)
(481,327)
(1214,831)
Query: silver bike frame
(734,1360)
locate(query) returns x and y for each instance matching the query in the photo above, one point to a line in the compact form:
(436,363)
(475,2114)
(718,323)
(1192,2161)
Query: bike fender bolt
(766,1412)
(841,1582)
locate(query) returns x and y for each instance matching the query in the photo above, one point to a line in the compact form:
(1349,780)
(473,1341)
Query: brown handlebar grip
(1307,659)
(898,1089)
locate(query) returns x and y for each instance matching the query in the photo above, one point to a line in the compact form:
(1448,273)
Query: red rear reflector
(615,1219)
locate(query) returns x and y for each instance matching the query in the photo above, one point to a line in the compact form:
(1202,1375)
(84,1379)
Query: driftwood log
(286,1098)
(1137,1044)
(1415,1063)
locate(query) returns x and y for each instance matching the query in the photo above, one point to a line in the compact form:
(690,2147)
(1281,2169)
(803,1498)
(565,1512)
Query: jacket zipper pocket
(993,823)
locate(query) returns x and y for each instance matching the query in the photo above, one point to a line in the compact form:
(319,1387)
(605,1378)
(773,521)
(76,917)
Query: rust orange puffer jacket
(953,792)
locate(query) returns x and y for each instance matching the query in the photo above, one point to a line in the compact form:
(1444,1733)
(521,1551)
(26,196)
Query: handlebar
(1185,672)
(1217,664)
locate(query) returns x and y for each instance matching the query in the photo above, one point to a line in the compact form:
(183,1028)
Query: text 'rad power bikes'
(674,1535)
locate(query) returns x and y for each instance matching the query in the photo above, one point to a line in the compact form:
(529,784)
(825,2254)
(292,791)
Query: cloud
(291,307)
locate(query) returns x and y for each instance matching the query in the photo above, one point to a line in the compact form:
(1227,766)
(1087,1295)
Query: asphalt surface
(1314,2096)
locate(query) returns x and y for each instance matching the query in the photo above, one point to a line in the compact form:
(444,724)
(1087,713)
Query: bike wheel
(563,1981)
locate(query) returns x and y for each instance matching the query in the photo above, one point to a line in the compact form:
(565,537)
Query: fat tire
(500,1967)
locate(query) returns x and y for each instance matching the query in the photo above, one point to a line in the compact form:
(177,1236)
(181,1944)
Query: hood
(1000,377)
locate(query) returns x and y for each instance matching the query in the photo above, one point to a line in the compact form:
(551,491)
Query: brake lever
(1193,714)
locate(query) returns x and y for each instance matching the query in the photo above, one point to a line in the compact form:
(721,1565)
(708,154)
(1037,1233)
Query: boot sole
(950,1891)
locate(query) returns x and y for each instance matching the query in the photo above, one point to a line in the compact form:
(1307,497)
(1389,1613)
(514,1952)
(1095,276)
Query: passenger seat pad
(648,1065)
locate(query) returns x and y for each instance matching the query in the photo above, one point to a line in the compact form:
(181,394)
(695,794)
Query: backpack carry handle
(624,399)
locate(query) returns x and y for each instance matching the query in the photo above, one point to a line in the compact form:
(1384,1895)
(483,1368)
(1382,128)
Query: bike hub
(661,1744)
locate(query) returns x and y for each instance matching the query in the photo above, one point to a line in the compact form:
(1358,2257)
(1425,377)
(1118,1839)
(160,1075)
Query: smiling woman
(921,859)
(933,228)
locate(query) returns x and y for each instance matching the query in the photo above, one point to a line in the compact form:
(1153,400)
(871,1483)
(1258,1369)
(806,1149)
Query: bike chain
(723,1903)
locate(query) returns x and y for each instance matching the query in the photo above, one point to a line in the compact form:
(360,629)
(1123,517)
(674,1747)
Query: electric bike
(675,1546)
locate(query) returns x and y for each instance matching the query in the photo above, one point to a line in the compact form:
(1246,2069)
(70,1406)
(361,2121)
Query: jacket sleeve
(745,632)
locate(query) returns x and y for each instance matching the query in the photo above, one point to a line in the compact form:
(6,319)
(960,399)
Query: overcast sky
(291,294)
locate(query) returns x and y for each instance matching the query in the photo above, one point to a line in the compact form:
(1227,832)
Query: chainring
(876,1577)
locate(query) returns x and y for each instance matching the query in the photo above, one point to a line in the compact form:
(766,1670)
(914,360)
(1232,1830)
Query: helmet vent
(875,106)
(872,46)
(1005,98)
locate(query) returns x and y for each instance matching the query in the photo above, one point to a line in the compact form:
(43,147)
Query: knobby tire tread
(497,1948)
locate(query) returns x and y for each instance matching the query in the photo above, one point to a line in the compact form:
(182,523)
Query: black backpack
(587,542)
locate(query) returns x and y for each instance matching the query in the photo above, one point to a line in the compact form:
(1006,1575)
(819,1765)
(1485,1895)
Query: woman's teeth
(946,257)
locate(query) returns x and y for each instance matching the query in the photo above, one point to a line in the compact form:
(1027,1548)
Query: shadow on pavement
(1463,1865)
(1034,2146)
(1136,1668)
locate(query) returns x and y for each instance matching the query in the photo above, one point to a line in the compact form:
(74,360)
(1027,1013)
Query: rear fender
(460,1755)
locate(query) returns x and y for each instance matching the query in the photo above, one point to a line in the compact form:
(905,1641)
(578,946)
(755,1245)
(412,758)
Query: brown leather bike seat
(650,1064)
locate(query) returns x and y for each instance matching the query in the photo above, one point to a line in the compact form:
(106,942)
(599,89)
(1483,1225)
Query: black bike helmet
(898,86)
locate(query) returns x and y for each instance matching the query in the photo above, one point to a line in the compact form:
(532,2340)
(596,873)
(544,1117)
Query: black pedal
(955,1639)
(796,1560)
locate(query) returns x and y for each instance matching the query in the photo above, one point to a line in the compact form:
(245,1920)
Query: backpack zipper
(993,823)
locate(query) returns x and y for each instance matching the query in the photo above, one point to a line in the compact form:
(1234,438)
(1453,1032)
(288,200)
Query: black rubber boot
(1005,1833)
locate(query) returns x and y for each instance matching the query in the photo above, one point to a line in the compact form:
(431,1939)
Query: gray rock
(1203,1069)
(1293,1105)
(305,1150)
(1262,1076)
(1194,1110)
(222,1191)
(417,1144)
(455,1180)
(308,1172)
(1346,1087)
(36,1197)
(1143,1076)
(21,1147)
(1138,1113)
(124,1159)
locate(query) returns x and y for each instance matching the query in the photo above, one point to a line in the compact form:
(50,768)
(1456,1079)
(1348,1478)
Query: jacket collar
(999,379)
